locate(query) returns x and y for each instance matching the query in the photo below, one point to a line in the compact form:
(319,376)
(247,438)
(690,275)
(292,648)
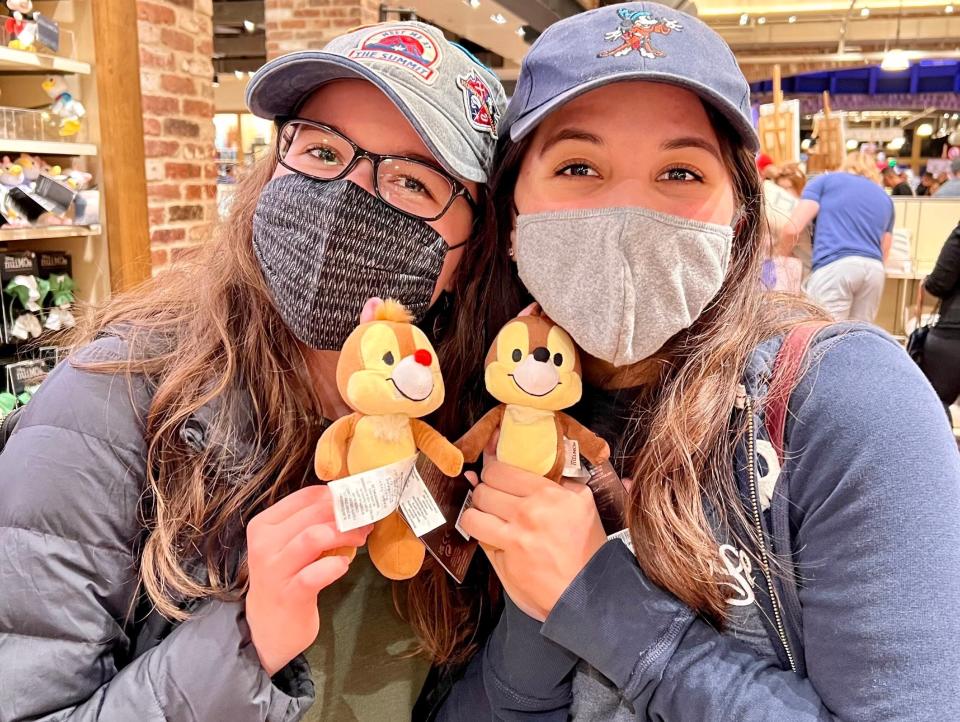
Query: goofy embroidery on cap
(482,111)
(636,30)
(407,47)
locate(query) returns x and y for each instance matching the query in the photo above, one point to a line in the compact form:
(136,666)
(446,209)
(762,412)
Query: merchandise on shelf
(33,193)
(21,26)
(38,294)
(22,377)
(68,110)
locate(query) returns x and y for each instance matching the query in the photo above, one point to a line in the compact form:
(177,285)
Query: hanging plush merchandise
(30,292)
(65,107)
(20,27)
(59,315)
(11,174)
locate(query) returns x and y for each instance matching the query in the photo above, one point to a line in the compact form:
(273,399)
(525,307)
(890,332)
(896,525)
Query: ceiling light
(521,32)
(897,143)
(499,19)
(761,21)
(925,130)
(249,26)
(948,9)
(805,144)
(895,60)
(472,3)
(955,116)
(744,19)
(238,74)
(864,12)
(792,19)
(853,144)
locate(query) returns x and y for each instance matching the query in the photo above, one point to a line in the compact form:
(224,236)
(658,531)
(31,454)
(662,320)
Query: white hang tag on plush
(624,536)
(467,503)
(370,496)
(572,467)
(419,507)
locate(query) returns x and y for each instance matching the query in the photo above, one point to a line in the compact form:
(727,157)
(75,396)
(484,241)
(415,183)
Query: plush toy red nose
(423,357)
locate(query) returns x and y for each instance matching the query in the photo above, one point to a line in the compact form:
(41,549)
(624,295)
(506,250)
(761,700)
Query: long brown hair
(676,446)
(208,339)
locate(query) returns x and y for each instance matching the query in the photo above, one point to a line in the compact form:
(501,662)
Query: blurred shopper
(165,545)
(941,352)
(951,188)
(853,235)
(926,185)
(897,185)
(792,178)
(779,273)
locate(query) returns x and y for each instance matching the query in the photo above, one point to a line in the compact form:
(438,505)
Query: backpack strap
(787,368)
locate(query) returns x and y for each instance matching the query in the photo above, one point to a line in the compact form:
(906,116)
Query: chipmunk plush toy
(389,375)
(534,369)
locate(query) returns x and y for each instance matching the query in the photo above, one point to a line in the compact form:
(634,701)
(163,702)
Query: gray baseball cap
(630,41)
(452,100)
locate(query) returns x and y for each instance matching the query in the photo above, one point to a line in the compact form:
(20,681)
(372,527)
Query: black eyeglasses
(411,186)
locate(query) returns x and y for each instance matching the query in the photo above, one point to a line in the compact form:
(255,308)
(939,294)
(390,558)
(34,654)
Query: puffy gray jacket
(71,479)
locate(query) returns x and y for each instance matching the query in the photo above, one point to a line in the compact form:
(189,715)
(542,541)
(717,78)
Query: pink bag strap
(787,368)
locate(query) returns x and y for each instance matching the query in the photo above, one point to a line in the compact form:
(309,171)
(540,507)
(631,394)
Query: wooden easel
(830,151)
(779,126)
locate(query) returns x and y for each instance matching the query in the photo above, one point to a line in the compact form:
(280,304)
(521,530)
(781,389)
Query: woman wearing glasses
(165,564)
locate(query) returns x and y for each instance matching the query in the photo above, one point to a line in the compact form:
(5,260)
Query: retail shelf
(39,233)
(20,60)
(47,147)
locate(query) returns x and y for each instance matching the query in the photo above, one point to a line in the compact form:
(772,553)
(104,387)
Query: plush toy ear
(369,311)
(532,310)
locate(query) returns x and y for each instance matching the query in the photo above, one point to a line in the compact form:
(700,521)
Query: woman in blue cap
(794,508)
(161,530)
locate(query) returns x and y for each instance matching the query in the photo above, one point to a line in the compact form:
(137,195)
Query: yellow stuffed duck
(388,374)
(533,368)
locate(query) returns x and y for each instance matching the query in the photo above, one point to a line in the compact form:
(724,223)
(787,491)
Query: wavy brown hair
(678,444)
(208,339)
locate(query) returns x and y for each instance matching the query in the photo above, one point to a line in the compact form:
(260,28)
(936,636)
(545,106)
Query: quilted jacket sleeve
(70,482)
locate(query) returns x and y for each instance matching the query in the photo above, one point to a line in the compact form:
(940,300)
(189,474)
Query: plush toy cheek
(413,379)
(535,377)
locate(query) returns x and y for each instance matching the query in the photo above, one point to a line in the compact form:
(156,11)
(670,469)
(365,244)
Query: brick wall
(300,24)
(176,82)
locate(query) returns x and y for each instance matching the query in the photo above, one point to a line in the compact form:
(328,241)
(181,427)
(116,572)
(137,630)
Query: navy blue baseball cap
(631,41)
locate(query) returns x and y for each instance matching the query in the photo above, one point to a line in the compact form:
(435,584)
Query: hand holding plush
(533,368)
(388,374)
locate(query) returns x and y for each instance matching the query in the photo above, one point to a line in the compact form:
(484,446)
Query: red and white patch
(478,100)
(405,46)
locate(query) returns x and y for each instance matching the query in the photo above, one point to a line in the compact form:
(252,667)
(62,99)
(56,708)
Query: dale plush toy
(533,368)
(389,375)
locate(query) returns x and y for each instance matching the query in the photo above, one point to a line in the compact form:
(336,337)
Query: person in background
(941,352)
(951,187)
(767,168)
(926,185)
(897,185)
(851,241)
(780,273)
(792,178)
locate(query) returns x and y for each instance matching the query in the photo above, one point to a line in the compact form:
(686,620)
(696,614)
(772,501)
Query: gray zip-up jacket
(864,518)
(71,479)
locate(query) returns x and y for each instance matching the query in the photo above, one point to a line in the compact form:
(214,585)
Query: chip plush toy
(389,375)
(533,368)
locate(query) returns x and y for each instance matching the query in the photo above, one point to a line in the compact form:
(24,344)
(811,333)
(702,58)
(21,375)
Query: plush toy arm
(591,445)
(330,460)
(441,452)
(473,442)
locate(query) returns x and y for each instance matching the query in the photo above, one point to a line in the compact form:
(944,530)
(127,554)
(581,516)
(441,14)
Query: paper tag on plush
(624,536)
(572,468)
(467,503)
(369,496)
(446,543)
(418,506)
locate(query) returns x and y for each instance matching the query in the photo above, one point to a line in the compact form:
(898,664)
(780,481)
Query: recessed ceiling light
(472,3)
(499,19)
(864,12)
(744,19)
(925,130)
(948,9)
(792,19)
(761,21)
(238,74)
(249,26)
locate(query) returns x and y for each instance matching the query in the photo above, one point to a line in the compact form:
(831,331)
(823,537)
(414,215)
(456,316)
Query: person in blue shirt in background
(851,241)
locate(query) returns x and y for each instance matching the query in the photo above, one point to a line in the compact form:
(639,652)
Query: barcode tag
(369,496)
(418,506)
(467,503)
(624,536)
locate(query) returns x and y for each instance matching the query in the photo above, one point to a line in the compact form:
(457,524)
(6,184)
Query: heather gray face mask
(621,281)
(326,247)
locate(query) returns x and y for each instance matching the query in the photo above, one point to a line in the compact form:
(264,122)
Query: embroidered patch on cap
(636,31)
(482,111)
(407,47)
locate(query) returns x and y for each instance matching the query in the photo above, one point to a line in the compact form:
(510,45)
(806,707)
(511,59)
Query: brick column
(176,81)
(302,24)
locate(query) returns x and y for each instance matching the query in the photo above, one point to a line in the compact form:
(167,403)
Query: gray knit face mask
(621,281)
(326,247)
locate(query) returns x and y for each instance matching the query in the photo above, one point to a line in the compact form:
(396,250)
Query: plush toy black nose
(541,354)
